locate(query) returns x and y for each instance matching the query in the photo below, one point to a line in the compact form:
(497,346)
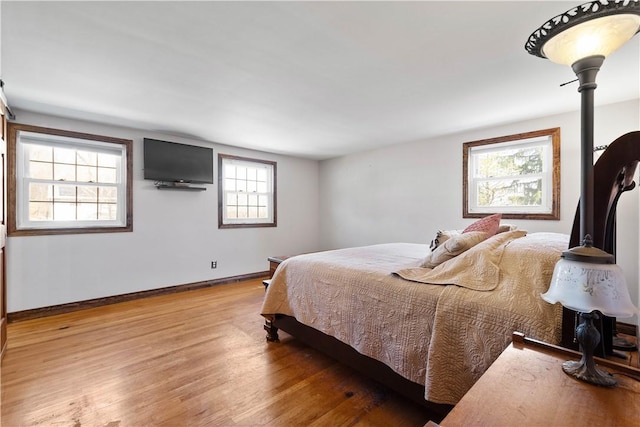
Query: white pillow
(452,247)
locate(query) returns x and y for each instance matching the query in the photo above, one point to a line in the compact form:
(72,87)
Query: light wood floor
(190,359)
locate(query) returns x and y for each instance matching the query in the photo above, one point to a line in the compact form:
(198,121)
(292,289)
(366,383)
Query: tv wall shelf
(179,187)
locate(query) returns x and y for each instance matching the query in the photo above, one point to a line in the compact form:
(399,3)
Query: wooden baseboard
(97,302)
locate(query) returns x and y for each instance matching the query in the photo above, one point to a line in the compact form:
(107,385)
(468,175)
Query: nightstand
(526,386)
(274,262)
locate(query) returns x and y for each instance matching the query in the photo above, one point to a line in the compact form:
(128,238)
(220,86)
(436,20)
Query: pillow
(443,236)
(454,246)
(506,227)
(488,224)
(477,269)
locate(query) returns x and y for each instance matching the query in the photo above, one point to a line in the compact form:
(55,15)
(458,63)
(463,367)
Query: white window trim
(549,139)
(25,138)
(19,135)
(270,167)
(475,152)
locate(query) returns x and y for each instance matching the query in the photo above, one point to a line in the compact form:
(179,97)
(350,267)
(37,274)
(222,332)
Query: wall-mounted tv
(172,162)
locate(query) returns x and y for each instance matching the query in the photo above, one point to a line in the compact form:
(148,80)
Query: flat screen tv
(172,162)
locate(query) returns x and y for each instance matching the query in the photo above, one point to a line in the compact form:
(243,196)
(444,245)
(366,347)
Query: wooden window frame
(13,129)
(554,214)
(221,193)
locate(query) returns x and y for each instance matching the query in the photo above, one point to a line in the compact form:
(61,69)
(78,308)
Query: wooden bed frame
(613,175)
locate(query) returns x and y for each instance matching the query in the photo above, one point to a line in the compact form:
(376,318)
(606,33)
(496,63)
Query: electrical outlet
(214,264)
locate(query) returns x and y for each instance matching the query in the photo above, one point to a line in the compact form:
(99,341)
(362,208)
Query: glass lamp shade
(595,28)
(596,37)
(585,287)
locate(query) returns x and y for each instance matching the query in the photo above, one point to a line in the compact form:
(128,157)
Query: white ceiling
(311,79)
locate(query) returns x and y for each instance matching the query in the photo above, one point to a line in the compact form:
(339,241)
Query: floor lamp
(586,279)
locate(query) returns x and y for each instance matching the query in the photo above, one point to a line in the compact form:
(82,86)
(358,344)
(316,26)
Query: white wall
(175,234)
(399,193)
(407,192)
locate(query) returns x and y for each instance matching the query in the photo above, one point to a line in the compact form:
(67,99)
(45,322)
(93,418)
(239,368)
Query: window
(516,175)
(68,182)
(246,192)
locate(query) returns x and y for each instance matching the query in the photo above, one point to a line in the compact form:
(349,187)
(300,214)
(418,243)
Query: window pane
(522,192)
(253,212)
(261,175)
(87,158)
(87,194)
(229,171)
(241,172)
(262,187)
(230,185)
(232,199)
(63,172)
(242,212)
(87,174)
(108,160)
(263,213)
(40,170)
(263,200)
(40,152)
(107,211)
(107,175)
(108,194)
(64,211)
(241,185)
(232,212)
(40,192)
(64,193)
(64,155)
(87,211)
(252,186)
(510,162)
(242,199)
(40,211)
(251,174)
(253,200)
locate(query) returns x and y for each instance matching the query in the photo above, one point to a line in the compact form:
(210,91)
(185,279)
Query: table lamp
(586,279)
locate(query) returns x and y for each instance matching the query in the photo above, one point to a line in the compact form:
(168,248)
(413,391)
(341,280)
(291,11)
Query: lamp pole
(582,37)
(586,70)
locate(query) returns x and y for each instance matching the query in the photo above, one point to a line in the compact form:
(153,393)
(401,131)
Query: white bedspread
(441,336)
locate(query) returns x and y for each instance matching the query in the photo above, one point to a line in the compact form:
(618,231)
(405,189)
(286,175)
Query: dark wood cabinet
(274,262)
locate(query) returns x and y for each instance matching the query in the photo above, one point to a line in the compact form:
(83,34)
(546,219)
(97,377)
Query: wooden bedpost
(272,331)
(613,175)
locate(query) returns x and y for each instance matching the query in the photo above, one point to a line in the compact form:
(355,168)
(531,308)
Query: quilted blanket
(443,335)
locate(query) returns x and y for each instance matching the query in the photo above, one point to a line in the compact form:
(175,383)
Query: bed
(430,333)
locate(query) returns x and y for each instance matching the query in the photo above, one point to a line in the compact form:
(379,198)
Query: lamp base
(593,375)
(586,369)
